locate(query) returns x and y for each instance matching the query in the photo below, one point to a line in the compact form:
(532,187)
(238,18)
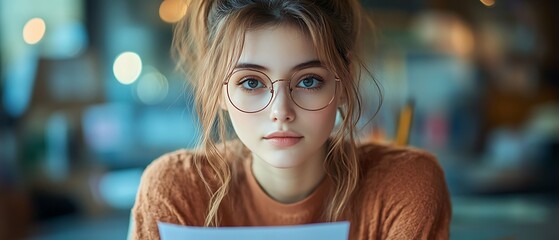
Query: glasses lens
(313,88)
(249,90)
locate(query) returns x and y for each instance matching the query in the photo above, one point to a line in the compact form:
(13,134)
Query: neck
(289,185)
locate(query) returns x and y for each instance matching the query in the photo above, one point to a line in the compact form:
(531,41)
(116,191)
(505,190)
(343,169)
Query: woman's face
(282,134)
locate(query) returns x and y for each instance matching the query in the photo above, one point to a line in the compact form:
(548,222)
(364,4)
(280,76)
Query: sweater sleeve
(416,199)
(168,192)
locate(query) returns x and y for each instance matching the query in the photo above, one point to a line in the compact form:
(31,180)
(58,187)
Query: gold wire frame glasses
(251,91)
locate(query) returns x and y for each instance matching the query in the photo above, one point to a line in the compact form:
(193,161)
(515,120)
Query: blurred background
(89,97)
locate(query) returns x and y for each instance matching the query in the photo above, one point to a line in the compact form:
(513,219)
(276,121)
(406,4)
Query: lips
(286,134)
(283,139)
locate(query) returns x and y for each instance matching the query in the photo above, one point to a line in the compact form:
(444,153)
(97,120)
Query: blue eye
(310,82)
(251,83)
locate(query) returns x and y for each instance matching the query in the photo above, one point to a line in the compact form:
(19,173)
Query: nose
(281,106)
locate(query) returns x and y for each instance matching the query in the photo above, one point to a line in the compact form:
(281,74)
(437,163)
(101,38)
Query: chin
(282,161)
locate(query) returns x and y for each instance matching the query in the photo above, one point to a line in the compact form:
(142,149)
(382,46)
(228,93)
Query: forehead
(277,48)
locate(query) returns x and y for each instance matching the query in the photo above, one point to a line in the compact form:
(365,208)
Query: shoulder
(170,192)
(406,187)
(172,167)
(172,179)
(185,174)
(404,163)
(403,176)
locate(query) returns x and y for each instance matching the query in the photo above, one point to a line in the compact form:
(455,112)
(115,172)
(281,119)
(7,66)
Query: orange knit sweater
(402,195)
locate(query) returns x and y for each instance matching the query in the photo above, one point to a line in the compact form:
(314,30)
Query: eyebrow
(312,63)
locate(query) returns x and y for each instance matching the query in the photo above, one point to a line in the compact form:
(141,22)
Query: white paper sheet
(322,231)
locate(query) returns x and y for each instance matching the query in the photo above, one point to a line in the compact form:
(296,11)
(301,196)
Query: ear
(223,105)
(342,95)
(342,100)
(223,101)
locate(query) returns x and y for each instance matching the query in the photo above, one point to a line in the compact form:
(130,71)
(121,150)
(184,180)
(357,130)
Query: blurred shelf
(503,217)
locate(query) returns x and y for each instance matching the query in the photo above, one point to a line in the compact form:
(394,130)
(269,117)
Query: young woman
(278,72)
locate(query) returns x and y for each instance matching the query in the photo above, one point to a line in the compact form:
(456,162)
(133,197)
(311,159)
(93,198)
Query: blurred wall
(89,97)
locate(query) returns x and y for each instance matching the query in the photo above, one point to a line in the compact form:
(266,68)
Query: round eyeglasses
(251,90)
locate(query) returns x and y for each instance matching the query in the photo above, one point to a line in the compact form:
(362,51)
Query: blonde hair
(208,43)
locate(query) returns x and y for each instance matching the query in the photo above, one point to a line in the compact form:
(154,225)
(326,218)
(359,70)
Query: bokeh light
(34,30)
(445,33)
(488,3)
(127,67)
(118,188)
(152,87)
(172,11)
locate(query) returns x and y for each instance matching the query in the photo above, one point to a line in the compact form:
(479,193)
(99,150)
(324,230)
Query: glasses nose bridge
(280,80)
(276,90)
(288,81)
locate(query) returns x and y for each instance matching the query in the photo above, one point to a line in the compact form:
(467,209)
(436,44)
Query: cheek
(243,123)
(331,116)
(322,122)
(238,119)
